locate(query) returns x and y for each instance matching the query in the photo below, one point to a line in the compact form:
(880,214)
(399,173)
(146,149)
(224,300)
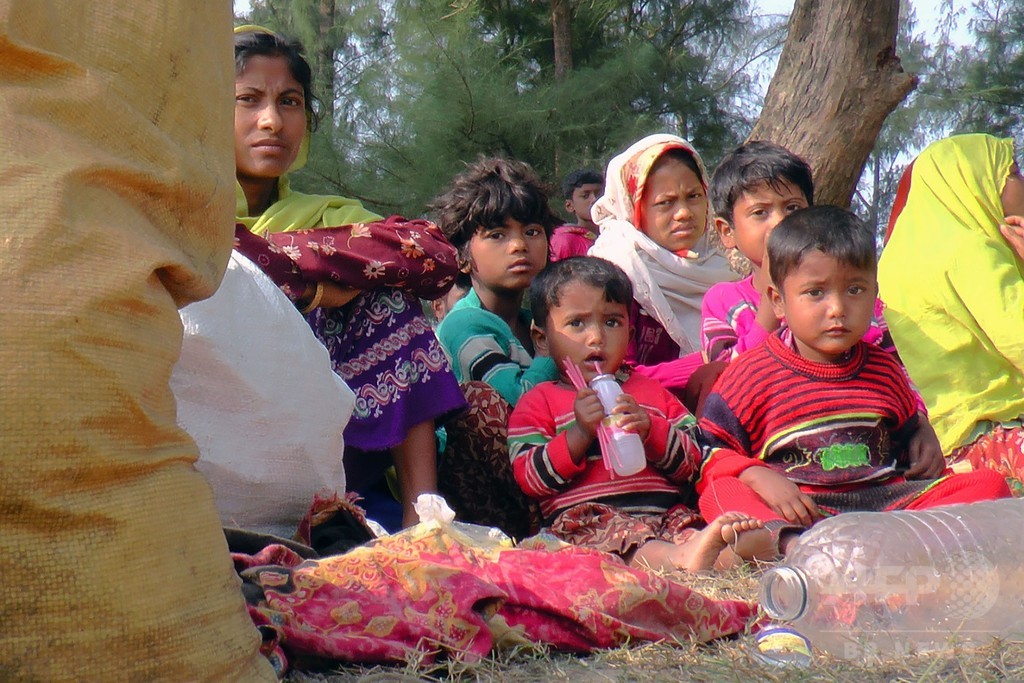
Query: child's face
(585,328)
(755,213)
(507,258)
(675,206)
(583,199)
(827,305)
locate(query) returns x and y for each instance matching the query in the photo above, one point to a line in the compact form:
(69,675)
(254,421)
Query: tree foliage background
(966,86)
(413,89)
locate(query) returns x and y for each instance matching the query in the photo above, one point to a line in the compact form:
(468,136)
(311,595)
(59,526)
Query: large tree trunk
(561,36)
(838,78)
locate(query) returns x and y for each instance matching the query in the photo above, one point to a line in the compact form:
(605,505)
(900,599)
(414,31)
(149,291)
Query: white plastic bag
(433,511)
(255,389)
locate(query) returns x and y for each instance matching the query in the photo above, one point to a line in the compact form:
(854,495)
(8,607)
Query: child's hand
(589,411)
(631,417)
(925,453)
(782,495)
(1013,230)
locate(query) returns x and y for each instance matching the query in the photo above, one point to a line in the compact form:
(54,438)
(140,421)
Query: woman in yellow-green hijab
(373,327)
(953,287)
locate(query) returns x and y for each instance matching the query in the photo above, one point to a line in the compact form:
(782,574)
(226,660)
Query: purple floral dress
(379,343)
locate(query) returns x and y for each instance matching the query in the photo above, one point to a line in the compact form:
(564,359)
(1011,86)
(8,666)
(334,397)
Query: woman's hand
(1013,230)
(781,495)
(630,417)
(336,296)
(330,296)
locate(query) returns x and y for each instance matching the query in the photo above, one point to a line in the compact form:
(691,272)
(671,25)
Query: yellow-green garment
(298,211)
(954,289)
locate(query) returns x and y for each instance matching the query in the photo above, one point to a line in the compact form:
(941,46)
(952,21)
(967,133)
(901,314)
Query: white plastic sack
(255,389)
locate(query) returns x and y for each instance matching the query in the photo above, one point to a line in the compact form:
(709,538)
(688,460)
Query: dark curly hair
(487,194)
(546,288)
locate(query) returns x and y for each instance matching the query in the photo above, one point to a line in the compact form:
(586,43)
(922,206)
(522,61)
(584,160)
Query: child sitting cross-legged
(581,309)
(815,421)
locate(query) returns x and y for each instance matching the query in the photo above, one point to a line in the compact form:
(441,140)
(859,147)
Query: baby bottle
(626,449)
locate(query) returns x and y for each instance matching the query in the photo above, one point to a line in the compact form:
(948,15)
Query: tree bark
(838,78)
(324,58)
(561,39)
(561,36)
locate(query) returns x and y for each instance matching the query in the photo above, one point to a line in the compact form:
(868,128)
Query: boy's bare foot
(702,551)
(748,540)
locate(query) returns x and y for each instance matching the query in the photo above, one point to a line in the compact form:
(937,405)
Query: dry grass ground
(724,661)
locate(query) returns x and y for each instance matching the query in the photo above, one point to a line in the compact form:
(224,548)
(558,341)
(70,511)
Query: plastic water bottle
(867,584)
(627,450)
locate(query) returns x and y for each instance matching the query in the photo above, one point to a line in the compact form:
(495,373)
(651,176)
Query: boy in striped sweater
(815,421)
(581,309)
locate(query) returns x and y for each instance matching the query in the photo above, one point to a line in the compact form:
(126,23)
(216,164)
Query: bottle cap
(784,593)
(783,646)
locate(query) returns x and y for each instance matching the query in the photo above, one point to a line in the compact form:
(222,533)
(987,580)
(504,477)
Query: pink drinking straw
(575,376)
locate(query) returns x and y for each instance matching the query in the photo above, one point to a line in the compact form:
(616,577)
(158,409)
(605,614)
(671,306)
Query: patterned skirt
(1000,449)
(387,353)
(475,470)
(611,530)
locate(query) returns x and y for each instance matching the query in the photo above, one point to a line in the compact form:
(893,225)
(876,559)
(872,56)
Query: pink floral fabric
(1000,449)
(431,590)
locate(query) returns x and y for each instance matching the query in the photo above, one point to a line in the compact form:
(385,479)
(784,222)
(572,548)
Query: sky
(928,13)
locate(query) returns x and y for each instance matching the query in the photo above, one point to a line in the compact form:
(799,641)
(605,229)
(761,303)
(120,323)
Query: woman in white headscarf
(655,221)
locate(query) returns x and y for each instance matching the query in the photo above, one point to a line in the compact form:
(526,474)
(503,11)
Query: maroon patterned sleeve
(412,255)
(272,261)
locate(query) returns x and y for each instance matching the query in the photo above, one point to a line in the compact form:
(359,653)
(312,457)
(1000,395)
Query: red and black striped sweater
(819,424)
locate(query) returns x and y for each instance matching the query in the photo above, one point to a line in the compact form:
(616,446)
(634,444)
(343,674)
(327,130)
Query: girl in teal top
(496,214)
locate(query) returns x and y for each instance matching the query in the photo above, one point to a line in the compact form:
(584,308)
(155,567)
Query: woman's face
(270,119)
(675,205)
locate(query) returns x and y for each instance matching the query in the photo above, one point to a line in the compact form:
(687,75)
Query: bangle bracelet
(315,301)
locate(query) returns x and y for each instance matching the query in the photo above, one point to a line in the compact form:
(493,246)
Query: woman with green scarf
(953,285)
(364,310)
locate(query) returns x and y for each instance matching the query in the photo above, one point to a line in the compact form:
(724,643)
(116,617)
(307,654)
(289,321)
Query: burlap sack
(117,179)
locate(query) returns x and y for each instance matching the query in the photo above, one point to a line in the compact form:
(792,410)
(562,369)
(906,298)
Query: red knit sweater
(545,470)
(821,424)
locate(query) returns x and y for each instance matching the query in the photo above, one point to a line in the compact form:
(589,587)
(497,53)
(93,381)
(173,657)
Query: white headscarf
(669,286)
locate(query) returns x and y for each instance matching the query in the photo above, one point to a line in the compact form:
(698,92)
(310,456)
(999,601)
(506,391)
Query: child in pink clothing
(754,187)
(581,189)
